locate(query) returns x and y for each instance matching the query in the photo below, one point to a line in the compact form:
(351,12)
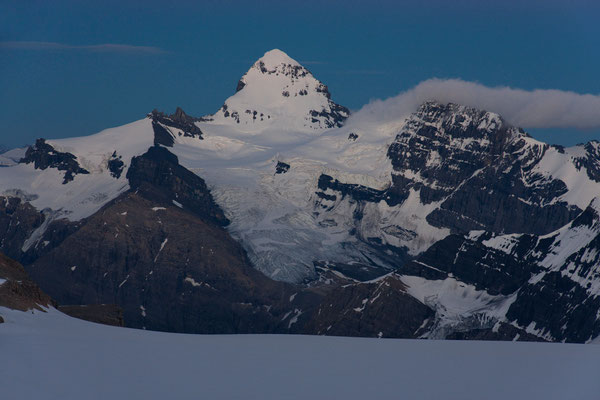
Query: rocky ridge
(464,227)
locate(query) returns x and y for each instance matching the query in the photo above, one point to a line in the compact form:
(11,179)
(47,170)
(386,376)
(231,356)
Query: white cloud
(105,47)
(541,108)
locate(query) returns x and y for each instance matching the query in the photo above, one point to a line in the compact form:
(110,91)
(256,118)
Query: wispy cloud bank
(542,108)
(105,47)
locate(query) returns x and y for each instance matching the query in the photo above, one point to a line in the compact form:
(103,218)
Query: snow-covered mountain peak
(279,92)
(274,58)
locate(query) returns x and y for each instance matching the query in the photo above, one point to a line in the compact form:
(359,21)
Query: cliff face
(161,253)
(17,290)
(445,223)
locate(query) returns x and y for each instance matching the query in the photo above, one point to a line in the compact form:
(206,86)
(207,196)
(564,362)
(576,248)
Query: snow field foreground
(52,356)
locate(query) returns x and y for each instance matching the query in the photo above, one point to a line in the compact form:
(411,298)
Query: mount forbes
(283,212)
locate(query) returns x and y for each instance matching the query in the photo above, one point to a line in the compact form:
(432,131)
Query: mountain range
(283,212)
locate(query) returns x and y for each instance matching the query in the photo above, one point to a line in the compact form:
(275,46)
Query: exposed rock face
(503,331)
(43,156)
(115,165)
(332,193)
(166,127)
(107,314)
(554,278)
(18,221)
(557,309)
(17,291)
(169,264)
(381,308)
(332,117)
(475,264)
(162,136)
(281,167)
(590,160)
(158,175)
(28,233)
(465,169)
(468,170)
(457,169)
(481,232)
(479,168)
(357,192)
(561,302)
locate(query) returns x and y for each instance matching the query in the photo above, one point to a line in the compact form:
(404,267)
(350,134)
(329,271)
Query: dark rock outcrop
(281,167)
(27,233)
(158,176)
(486,268)
(558,309)
(381,308)
(17,290)
(169,264)
(162,136)
(240,86)
(166,267)
(161,123)
(161,253)
(106,314)
(333,118)
(43,156)
(18,220)
(357,192)
(553,278)
(480,167)
(504,331)
(115,165)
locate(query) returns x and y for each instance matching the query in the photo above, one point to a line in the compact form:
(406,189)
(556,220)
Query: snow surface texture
(53,356)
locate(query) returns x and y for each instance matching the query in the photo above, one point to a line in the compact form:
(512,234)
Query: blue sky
(196,51)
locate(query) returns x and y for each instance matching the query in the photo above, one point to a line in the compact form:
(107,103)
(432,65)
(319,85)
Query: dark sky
(62,75)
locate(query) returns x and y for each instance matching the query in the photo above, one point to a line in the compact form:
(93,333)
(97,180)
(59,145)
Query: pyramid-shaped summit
(279,92)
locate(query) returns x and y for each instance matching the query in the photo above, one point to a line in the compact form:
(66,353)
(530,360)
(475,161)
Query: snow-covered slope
(302,183)
(52,356)
(11,157)
(546,286)
(465,216)
(278,92)
(273,214)
(86,193)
